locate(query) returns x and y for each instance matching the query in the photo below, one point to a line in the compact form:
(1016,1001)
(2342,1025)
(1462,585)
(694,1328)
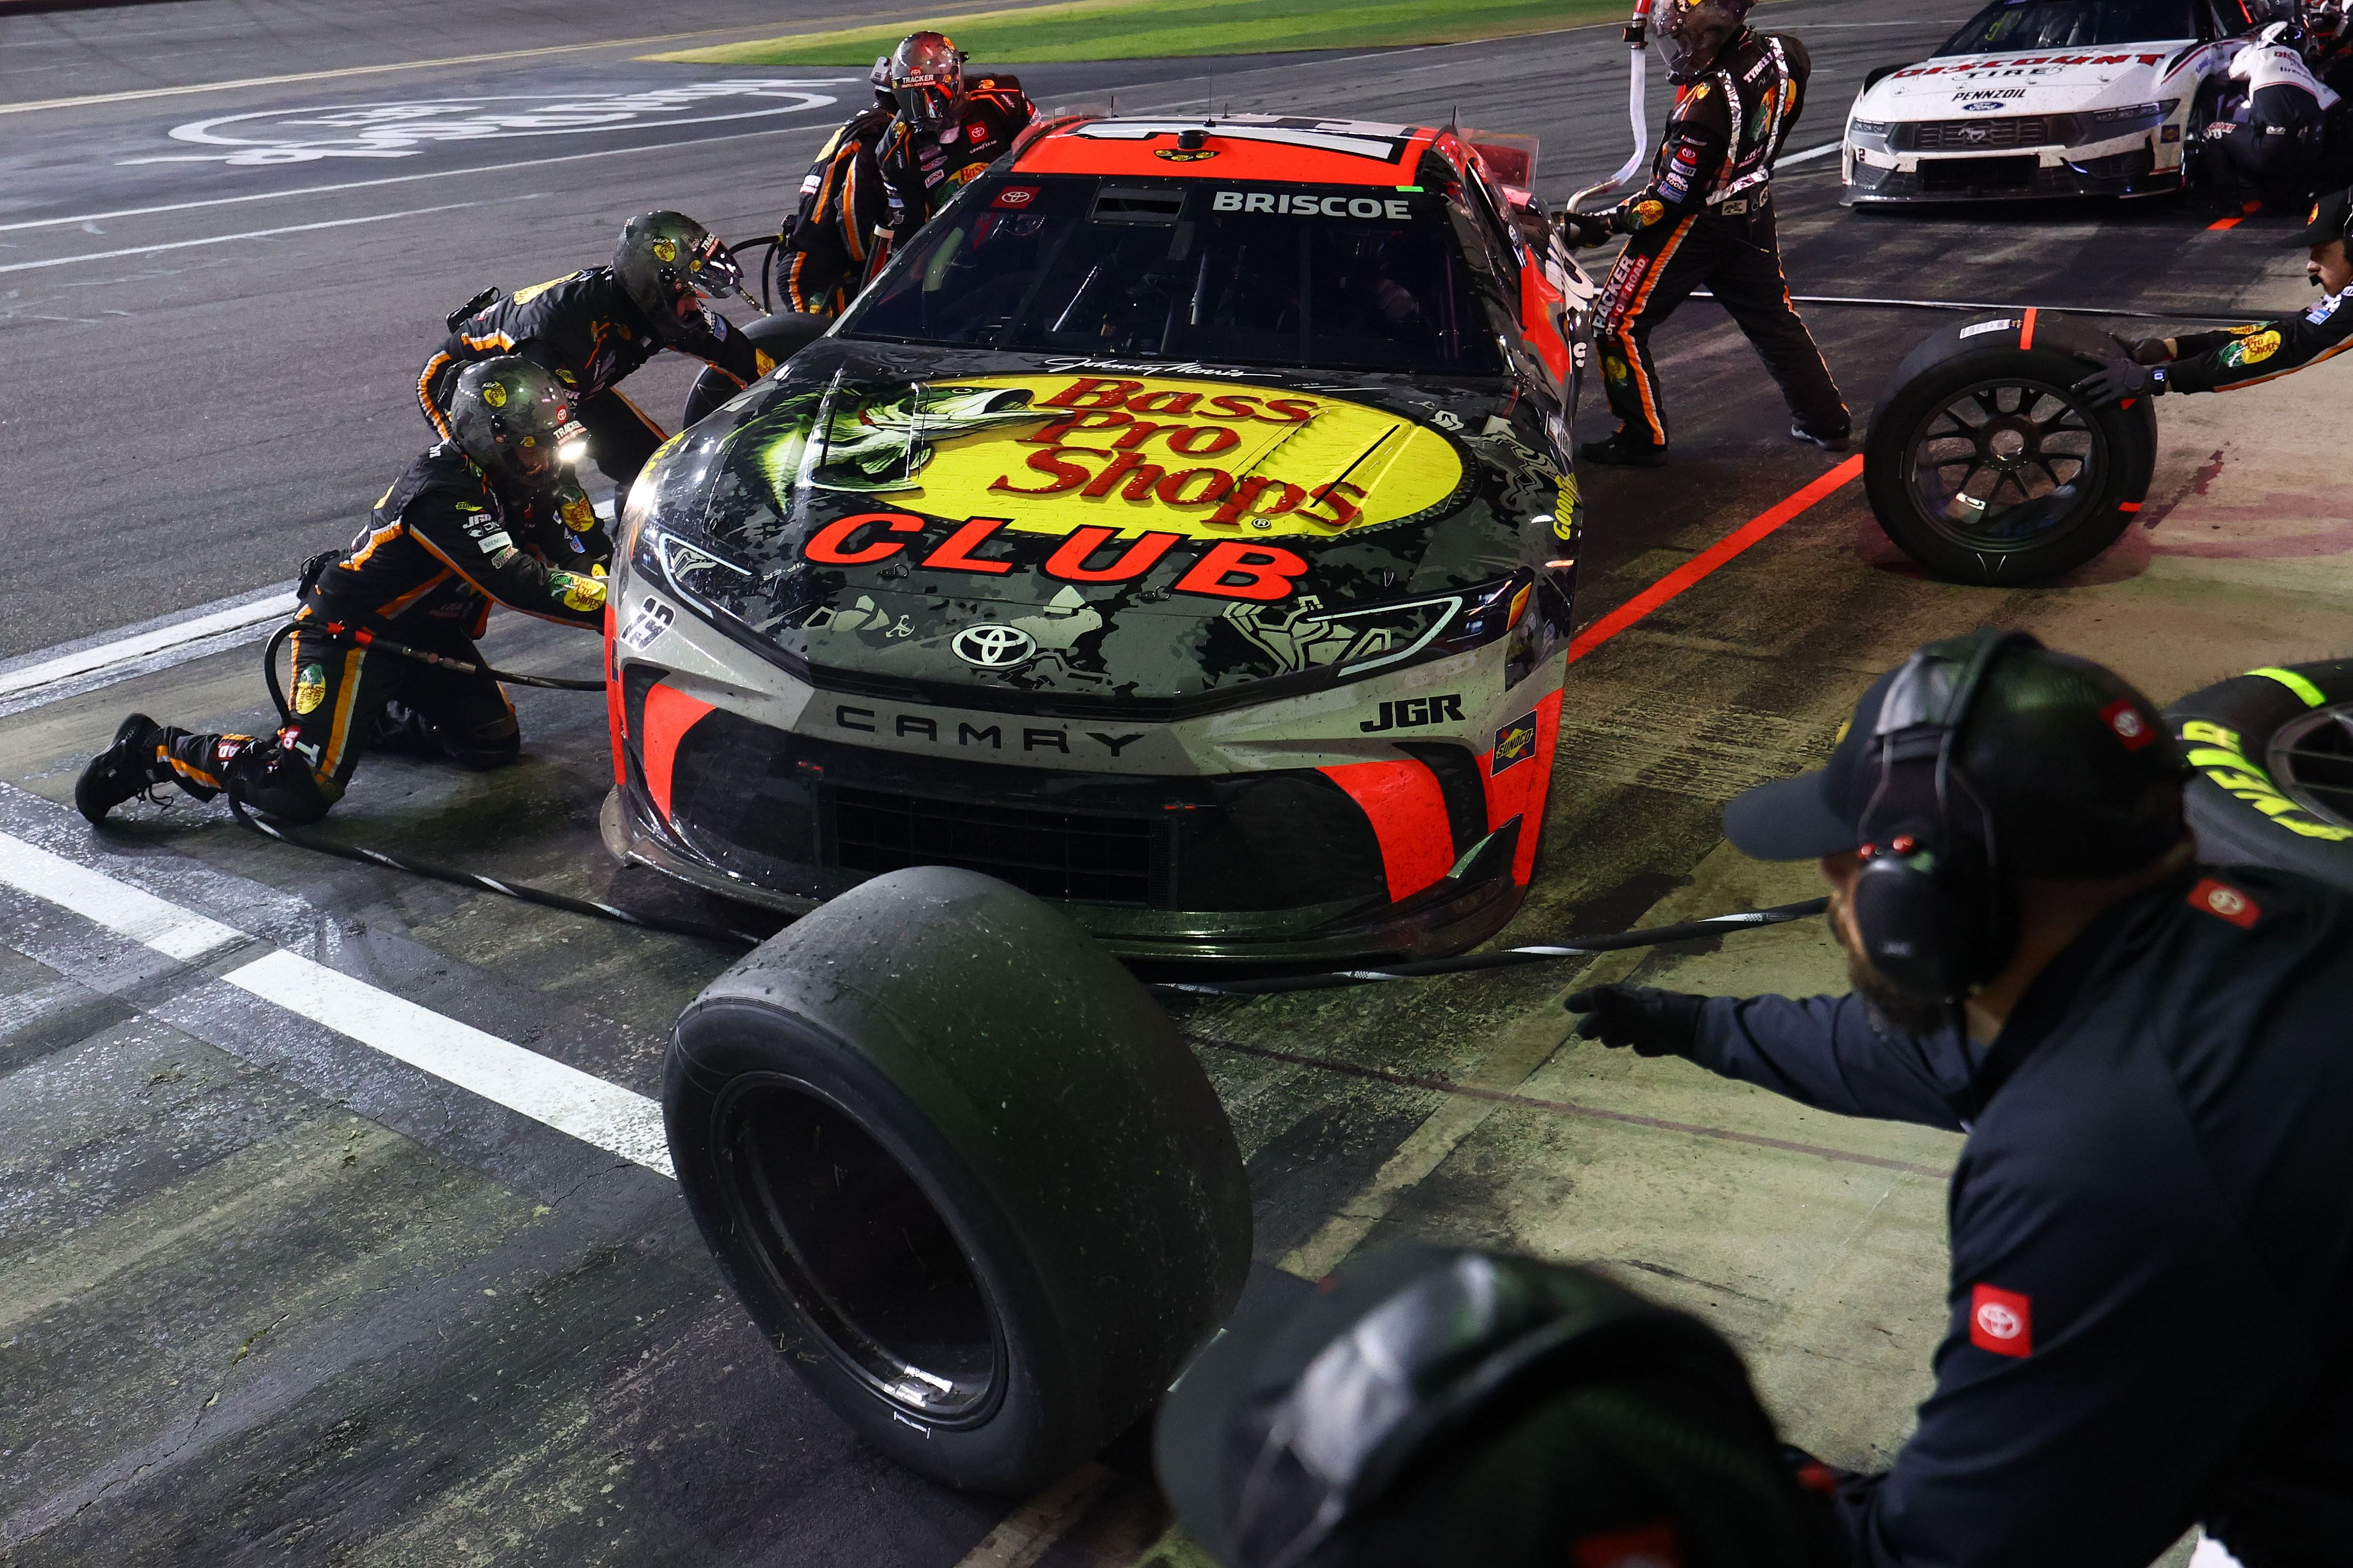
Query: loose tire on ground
(963,1171)
(1984,466)
(2273,751)
(783,335)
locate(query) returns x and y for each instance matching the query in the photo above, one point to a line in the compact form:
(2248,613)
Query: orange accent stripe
(387,611)
(425,394)
(2026,330)
(1520,790)
(2291,370)
(339,732)
(389,530)
(670,714)
(1626,332)
(1708,560)
(1408,811)
(641,412)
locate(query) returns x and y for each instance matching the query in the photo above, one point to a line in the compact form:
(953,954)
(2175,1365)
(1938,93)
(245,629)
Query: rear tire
(1985,468)
(2274,782)
(780,336)
(963,1171)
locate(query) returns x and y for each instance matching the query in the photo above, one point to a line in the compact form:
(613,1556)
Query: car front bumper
(2025,174)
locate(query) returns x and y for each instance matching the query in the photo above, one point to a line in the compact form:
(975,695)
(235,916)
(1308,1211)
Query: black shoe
(124,769)
(1623,450)
(401,731)
(1838,443)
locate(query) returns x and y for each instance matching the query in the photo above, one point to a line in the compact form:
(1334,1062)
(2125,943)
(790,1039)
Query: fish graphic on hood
(836,440)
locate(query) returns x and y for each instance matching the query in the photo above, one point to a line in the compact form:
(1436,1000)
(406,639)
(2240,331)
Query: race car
(1182,528)
(2044,98)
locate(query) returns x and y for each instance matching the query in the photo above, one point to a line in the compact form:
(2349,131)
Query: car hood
(908,518)
(1950,87)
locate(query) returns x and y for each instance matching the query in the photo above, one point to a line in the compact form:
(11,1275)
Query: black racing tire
(964,1172)
(1983,465)
(2273,754)
(782,335)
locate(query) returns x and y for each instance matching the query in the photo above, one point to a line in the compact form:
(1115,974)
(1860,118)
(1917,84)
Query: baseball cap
(2331,214)
(2077,770)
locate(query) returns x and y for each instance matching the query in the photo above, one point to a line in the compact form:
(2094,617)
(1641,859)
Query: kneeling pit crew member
(2257,351)
(2274,151)
(830,242)
(600,324)
(1706,218)
(948,128)
(476,520)
(2152,1217)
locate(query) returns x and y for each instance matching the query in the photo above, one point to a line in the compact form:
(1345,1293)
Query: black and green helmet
(665,259)
(513,417)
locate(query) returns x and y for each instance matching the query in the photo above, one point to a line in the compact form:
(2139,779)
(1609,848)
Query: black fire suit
(844,206)
(443,543)
(2152,1236)
(1706,218)
(2276,151)
(2247,355)
(923,171)
(587,330)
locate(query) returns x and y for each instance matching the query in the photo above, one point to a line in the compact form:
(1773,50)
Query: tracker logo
(2001,1321)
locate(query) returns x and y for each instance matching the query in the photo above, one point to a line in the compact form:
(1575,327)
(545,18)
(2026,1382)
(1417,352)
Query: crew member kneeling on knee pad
(2152,1218)
(490,515)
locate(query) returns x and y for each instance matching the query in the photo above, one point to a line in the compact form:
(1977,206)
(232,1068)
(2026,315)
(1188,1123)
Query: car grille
(1956,175)
(1053,854)
(1974,135)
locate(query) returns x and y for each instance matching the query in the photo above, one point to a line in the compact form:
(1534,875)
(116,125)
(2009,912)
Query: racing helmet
(2323,19)
(927,81)
(878,78)
(513,419)
(666,260)
(1695,32)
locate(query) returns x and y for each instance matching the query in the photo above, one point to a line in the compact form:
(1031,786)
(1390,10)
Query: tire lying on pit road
(963,1171)
(2273,751)
(779,336)
(1984,466)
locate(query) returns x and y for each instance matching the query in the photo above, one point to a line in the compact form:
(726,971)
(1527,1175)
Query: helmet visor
(927,102)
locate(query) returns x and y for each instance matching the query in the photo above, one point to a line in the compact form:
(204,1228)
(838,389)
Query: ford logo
(994,646)
(1982,108)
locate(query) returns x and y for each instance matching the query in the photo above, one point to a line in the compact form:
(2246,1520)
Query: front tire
(2273,751)
(963,1171)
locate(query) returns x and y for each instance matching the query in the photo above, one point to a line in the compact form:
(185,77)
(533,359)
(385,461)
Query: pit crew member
(1706,218)
(2274,151)
(2257,351)
(2152,1217)
(470,522)
(947,131)
(829,241)
(600,324)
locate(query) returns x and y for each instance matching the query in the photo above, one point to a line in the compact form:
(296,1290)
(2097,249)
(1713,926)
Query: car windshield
(1341,278)
(2008,25)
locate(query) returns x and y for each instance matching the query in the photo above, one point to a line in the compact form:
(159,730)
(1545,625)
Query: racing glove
(1655,1022)
(2145,350)
(1580,231)
(2116,382)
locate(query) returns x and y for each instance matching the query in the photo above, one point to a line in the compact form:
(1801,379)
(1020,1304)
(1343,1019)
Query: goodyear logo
(2216,752)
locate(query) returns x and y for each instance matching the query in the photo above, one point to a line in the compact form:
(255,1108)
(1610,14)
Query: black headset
(1932,908)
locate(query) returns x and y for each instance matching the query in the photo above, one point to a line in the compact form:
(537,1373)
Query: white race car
(2043,98)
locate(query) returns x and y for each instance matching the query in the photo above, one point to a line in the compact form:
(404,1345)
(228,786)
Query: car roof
(1268,147)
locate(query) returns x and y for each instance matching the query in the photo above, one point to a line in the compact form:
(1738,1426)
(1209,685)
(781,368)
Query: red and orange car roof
(1233,147)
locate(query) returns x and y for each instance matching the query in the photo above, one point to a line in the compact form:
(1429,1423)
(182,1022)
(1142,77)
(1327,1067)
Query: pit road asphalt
(264,1292)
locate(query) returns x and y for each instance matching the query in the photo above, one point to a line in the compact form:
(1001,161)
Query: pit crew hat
(2331,217)
(2079,773)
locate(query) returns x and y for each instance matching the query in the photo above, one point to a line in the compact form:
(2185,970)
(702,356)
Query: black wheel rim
(2312,761)
(843,1227)
(2007,466)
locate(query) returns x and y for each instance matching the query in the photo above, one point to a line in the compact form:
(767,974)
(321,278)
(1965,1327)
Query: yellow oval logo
(1208,459)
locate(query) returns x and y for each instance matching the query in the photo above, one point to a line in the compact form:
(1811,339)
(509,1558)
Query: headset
(1932,908)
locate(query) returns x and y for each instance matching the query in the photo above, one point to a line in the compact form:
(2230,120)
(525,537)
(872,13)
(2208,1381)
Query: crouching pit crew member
(2152,1218)
(2248,355)
(2274,151)
(948,128)
(1706,218)
(600,324)
(476,520)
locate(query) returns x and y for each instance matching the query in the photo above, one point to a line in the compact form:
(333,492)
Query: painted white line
(130,650)
(606,1115)
(253,234)
(1824,150)
(618,1121)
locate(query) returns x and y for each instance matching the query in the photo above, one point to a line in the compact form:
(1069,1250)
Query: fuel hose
(1875,302)
(1637,36)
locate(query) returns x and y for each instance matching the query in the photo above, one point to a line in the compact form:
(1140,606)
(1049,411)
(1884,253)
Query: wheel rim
(844,1229)
(2006,466)
(2312,761)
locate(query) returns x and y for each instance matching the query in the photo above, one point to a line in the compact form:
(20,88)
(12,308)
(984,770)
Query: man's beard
(1893,1010)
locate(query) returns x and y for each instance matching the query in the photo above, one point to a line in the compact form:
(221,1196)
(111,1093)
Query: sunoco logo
(994,646)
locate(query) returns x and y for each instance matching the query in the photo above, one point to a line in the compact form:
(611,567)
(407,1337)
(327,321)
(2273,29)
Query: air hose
(374,644)
(1637,39)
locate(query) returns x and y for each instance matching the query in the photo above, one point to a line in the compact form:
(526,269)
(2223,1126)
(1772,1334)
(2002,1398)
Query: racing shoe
(124,769)
(1837,443)
(1623,450)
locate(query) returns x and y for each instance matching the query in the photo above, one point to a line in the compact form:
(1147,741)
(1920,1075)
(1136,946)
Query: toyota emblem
(995,646)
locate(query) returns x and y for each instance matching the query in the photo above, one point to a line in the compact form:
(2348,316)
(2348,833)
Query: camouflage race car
(1181,529)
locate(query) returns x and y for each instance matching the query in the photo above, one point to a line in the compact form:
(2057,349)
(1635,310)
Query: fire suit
(587,330)
(445,542)
(2246,355)
(2276,150)
(844,205)
(922,171)
(1706,218)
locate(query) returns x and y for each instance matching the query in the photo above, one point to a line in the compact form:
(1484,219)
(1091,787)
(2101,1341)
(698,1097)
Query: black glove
(2144,351)
(1581,230)
(2115,382)
(1655,1022)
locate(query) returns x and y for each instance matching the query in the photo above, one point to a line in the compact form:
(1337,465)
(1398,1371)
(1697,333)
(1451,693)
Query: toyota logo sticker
(994,646)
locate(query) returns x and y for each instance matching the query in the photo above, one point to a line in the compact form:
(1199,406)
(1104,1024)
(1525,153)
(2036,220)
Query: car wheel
(962,1170)
(2273,751)
(781,336)
(1983,465)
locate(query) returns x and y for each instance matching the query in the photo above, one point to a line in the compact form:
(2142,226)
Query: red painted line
(2026,330)
(1708,560)
(2232,222)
